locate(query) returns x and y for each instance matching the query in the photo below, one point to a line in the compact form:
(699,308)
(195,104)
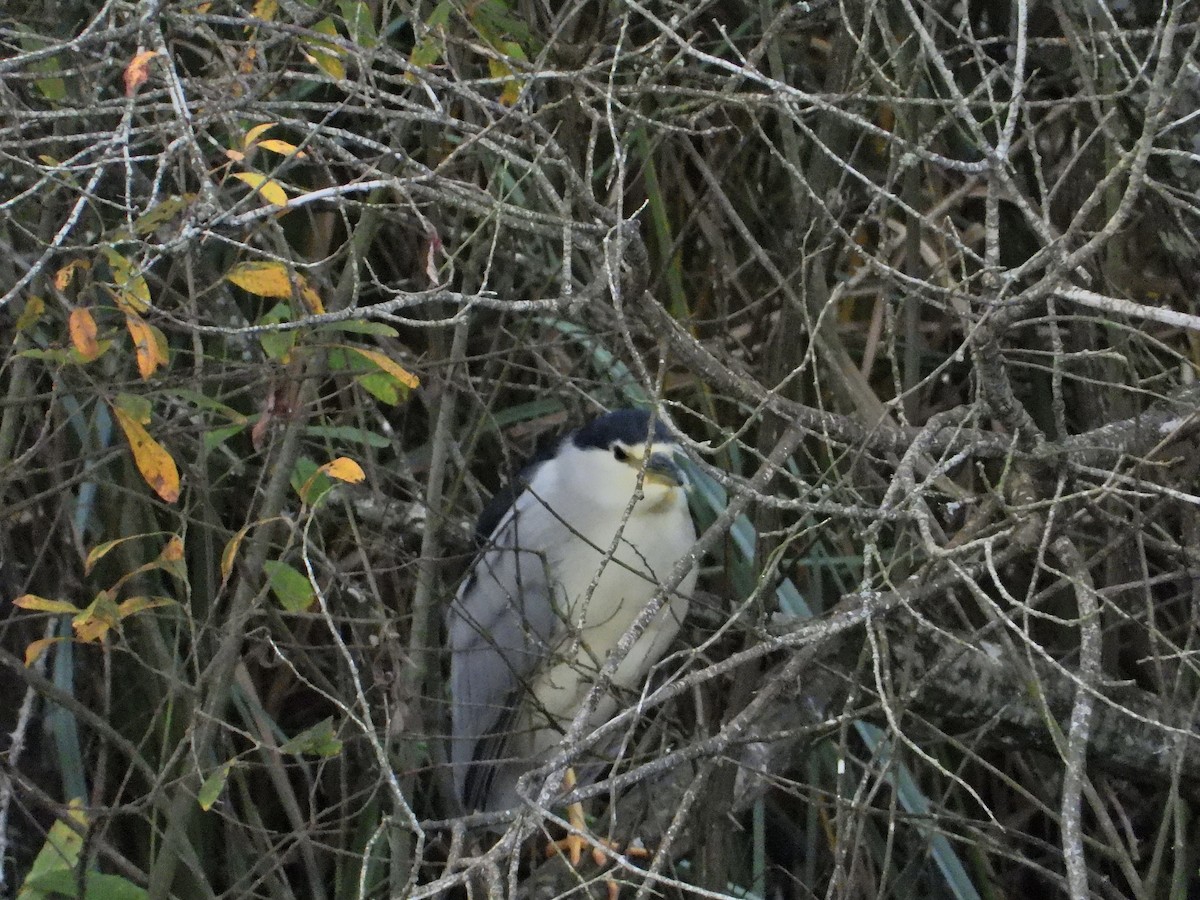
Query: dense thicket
(917,280)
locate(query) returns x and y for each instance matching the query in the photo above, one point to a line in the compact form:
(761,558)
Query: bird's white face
(609,477)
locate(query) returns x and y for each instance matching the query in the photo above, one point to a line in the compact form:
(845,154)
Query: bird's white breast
(607,572)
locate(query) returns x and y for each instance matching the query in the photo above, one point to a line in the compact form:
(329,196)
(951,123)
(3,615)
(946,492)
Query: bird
(573,552)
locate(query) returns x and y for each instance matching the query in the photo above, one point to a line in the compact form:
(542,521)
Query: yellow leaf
(256,132)
(63,277)
(268,188)
(264,279)
(100,551)
(36,648)
(93,623)
(149,344)
(405,377)
(283,148)
(132,292)
(150,457)
(311,299)
(323,54)
(42,604)
(326,61)
(230,552)
(173,552)
(83,333)
(265,9)
(344,469)
(140,604)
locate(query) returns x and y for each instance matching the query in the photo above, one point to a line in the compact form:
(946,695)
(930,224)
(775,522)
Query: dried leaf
(151,458)
(138,71)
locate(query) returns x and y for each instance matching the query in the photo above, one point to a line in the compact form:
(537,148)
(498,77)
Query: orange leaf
(405,377)
(268,188)
(42,604)
(38,647)
(264,279)
(138,71)
(83,333)
(344,469)
(151,458)
(149,344)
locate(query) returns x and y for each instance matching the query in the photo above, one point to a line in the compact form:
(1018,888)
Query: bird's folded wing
(502,625)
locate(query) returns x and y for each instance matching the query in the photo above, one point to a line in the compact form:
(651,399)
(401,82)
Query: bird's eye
(619,453)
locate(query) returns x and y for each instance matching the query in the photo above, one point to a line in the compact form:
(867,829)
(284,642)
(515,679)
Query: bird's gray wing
(501,625)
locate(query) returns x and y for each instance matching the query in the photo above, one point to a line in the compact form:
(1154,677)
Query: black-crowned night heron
(568,565)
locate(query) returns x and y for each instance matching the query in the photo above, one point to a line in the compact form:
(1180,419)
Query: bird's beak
(661,468)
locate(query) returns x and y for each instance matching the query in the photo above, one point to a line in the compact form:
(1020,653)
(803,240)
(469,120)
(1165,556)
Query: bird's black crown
(628,426)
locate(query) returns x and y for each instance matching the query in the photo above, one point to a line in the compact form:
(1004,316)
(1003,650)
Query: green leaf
(383,387)
(137,407)
(310,483)
(218,436)
(342,434)
(290,587)
(440,15)
(60,853)
(97,886)
(359,23)
(277,345)
(361,326)
(319,740)
(213,785)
